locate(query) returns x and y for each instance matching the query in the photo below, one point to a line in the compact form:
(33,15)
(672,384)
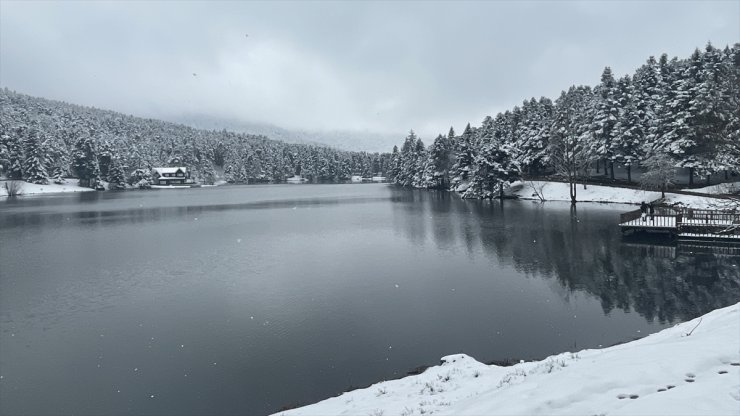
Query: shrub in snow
(13,188)
(143,184)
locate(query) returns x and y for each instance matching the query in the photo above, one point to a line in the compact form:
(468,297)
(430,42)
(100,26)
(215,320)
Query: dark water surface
(245,299)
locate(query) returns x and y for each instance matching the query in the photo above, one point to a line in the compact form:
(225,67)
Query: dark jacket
(643,208)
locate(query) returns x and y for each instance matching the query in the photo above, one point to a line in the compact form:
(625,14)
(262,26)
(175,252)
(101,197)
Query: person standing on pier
(652,211)
(643,209)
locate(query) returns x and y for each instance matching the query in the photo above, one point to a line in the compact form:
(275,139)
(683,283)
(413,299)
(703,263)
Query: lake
(247,299)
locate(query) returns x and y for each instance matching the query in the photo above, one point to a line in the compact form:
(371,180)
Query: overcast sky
(367,66)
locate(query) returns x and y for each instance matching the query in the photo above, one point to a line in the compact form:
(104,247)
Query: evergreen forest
(670,114)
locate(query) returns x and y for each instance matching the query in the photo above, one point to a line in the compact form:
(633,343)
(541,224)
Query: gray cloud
(365,66)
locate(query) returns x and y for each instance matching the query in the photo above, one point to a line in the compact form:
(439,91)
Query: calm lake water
(245,299)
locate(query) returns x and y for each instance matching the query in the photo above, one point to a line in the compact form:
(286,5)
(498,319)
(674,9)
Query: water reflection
(582,249)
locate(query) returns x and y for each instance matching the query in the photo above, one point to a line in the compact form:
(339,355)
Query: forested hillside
(43,140)
(671,113)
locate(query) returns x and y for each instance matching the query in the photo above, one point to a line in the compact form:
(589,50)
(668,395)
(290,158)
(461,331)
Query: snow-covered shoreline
(692,368)
(551,191)
(559,191)
(68,185)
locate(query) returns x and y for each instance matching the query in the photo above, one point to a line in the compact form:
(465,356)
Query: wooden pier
(685,224)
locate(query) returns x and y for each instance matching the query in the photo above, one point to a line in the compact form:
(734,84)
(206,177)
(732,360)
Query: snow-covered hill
(692,368)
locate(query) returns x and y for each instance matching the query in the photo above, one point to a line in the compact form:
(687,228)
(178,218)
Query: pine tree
(495,170)
(729,85)
(419,165)
(57,159)
(116,175)
(630,136)
(105,159)
(15,154)
(646,99)
(531,147)
(438,165)
(4,153)
(605,121)
(85,162)
(34,164)
(465,157)
(407,161)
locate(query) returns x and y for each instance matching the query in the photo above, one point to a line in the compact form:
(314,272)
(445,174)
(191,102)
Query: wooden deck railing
(691,223)
(697,216)
(629,216)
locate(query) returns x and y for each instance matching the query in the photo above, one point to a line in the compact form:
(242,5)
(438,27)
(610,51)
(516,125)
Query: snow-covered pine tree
(15,154)
(672,132)
(646,99)
(495,168)
(709,114)
(57,159)
(605,121)
(534,135)
(4,153)
(35,162)
(630,136)
(407,161)
(85,161)
(464,157)
(116,175)
(420,164)
(729,153)
(439,162)
(395,169)
(105,159)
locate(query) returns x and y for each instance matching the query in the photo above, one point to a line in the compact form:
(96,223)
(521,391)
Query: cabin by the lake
(171,176)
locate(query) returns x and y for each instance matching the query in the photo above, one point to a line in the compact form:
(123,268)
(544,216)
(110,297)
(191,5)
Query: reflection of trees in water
(583,250)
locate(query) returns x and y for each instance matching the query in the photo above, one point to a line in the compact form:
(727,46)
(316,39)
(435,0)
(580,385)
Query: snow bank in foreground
(558,191)
(69,185)
(670,372)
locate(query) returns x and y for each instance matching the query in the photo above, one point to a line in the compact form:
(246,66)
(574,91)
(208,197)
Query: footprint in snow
(633,396)
(622,396)
(670,386)
(689,380)
(690,375)
(661,390)
(722,372)
(735,364)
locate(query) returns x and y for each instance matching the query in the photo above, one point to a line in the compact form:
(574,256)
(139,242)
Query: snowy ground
(558,191)
(552,191)
(723,188)
(690,369)
(69,185)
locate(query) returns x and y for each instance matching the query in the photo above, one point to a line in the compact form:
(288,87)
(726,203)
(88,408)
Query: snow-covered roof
(162,171)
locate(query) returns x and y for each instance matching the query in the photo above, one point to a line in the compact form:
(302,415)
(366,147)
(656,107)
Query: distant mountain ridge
(339,139)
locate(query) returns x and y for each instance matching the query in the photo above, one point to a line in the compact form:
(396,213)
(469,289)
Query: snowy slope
(667,373)
(69,185)
(723,188)
(558,191)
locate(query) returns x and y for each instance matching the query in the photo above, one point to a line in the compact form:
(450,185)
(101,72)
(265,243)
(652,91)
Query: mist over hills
(340,139)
